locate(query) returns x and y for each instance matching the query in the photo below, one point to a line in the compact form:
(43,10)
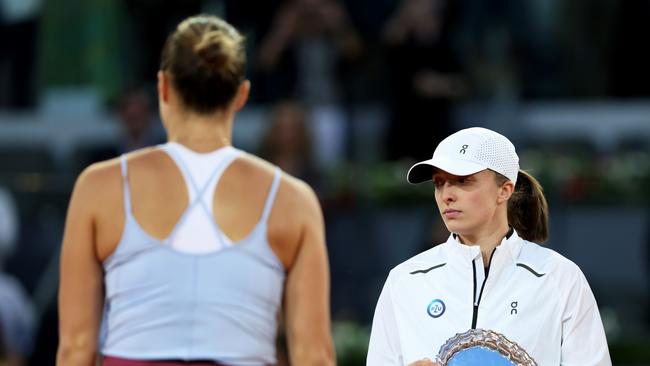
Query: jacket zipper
(480,295)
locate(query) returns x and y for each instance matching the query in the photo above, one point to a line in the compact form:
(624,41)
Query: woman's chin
(454,227)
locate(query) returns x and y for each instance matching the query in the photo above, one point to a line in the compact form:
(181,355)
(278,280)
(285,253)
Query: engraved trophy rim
(488,339)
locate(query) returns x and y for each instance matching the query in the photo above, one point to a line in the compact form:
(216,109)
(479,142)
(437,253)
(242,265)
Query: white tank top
(193,295)
(198,232)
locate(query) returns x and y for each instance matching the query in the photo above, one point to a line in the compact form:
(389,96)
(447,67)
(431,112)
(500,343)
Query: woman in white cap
(491,273)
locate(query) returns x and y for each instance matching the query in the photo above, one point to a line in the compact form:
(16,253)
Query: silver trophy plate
(482,347)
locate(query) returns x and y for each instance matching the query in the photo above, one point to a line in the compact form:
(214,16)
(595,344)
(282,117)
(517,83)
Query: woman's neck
(487,240)
(201,133)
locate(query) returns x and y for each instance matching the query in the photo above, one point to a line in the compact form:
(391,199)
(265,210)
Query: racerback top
(194,295)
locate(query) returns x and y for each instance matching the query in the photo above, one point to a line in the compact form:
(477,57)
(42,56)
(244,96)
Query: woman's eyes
(460,181)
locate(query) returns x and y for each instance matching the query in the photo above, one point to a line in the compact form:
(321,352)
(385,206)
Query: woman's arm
(81,294)
(583,336)
(384,347)
(307,305)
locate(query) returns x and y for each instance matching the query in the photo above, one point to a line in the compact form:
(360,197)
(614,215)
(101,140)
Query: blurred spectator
(288,143)
(588,34)
(309,53)
(308,42)
(16,312)
(139,127)
(47,337)
(18,26)
(628,70)
(424,75)
(144,28)
(8,224)
(3,351)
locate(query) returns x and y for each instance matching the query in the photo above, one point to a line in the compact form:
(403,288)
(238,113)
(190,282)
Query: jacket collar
(508,249)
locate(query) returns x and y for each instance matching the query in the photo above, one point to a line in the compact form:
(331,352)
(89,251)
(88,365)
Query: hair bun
(214,49)
(207,58)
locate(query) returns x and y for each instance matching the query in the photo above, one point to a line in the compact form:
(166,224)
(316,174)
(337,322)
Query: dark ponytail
(527,208)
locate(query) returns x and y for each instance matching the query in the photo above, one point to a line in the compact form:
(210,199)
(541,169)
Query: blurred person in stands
(288,142)
(16,310)
(491,273)
(425,77)
(311,51)
(191,250)
(19,26)
(3,352)
(139,127)
(303,51)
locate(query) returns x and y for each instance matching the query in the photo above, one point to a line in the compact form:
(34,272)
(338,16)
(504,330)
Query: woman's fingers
(424,362)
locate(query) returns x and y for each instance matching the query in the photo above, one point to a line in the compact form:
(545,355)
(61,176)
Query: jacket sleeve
(384,348)
(583,336)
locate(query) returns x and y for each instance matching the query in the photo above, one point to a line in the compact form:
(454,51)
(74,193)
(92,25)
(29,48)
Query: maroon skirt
(114,361)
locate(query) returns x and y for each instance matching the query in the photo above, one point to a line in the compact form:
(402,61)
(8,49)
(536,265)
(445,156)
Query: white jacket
(532,295)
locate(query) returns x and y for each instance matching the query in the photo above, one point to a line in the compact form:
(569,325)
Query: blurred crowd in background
(346,94)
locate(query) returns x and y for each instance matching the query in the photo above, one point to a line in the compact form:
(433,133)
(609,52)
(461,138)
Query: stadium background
(346,95)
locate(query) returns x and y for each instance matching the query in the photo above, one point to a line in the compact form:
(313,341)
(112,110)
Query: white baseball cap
(467,152)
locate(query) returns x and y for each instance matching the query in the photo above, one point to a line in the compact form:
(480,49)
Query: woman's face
(469,205)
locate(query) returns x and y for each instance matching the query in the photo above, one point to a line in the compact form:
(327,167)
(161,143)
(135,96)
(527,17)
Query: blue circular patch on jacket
(436,308)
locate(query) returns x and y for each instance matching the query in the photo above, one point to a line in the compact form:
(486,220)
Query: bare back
(159,196)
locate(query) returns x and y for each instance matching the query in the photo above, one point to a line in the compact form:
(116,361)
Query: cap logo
(463,149)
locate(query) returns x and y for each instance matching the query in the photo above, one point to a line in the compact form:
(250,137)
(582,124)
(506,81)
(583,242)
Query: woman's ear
(505,192)
(163,87)
(242,95)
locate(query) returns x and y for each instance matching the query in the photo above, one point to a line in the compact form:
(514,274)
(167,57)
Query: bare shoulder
(102,181)
(294,195)
(148,160)
(295,216)
(98,176)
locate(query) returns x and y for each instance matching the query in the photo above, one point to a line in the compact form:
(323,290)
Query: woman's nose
(446,191)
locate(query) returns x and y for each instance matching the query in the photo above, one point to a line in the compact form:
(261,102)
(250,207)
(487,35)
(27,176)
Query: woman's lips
(451,213)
